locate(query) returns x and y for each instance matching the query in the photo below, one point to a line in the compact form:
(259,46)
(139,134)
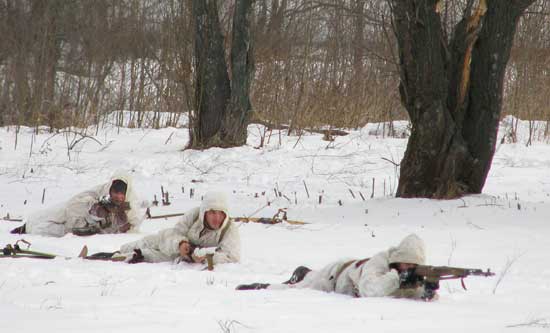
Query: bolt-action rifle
(15,251)
(429,277)
(437,273)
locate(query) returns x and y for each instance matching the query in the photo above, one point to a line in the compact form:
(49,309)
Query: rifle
(150,216)
(207,252)
(429,277)
(436,273)
(264,220)
(15,251)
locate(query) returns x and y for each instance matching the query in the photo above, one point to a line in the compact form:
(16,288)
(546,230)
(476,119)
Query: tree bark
(452,93)
(234,131)
(222,107)
(50,54)
(212,87)
(489,60)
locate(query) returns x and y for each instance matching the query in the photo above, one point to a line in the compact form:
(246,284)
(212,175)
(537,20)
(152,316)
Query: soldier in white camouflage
(207,226)
(384,274)
(105,209)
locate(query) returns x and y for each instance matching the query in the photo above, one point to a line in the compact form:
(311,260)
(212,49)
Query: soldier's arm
(186,221)
(376,279)
(135,217)
(171,239)
(229,249)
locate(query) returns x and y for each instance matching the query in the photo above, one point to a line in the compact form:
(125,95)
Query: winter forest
(168,165)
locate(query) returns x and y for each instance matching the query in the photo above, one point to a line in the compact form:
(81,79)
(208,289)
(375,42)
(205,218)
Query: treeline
(318,63)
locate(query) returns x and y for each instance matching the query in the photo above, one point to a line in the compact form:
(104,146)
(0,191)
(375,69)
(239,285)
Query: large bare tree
(452,90)
(222,105)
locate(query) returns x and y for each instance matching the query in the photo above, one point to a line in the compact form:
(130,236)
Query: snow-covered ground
(506,229)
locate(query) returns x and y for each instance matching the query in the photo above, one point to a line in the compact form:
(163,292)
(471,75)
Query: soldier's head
(409,253)
(402,266)
(118,191)
(214,209)
(214,218)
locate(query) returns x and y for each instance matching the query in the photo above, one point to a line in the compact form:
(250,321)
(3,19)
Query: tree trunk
(51,56)
(452,93)
(222,108)
(489,60)
(212,89)
(234,131)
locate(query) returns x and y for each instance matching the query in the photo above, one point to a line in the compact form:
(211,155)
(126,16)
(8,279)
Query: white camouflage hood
(411,250)
(214,201)
(125,177)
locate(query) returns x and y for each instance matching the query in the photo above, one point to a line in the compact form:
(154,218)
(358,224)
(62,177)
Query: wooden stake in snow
(307,192)
(43,195)
(166,199)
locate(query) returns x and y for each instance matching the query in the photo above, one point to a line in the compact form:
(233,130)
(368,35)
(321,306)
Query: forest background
(319,64)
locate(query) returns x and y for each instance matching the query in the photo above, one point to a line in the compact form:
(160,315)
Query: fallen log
(10,219)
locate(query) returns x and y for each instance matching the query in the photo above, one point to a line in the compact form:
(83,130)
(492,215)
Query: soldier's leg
(323,280)
(297,276)
(154,255)
(45,228)
(252,286)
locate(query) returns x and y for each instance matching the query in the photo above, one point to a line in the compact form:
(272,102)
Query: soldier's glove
(105,200)
(137,257)
(98,215)
(93,220)
(188,258)
(430,290)
(409,279)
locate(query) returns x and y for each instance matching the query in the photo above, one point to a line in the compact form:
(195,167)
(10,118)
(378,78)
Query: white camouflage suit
(60,220)
(164,246)
(372,278)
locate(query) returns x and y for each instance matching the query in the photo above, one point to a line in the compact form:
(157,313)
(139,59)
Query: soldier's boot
(252,286)
(298,275)
(19,230)
(101,255)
